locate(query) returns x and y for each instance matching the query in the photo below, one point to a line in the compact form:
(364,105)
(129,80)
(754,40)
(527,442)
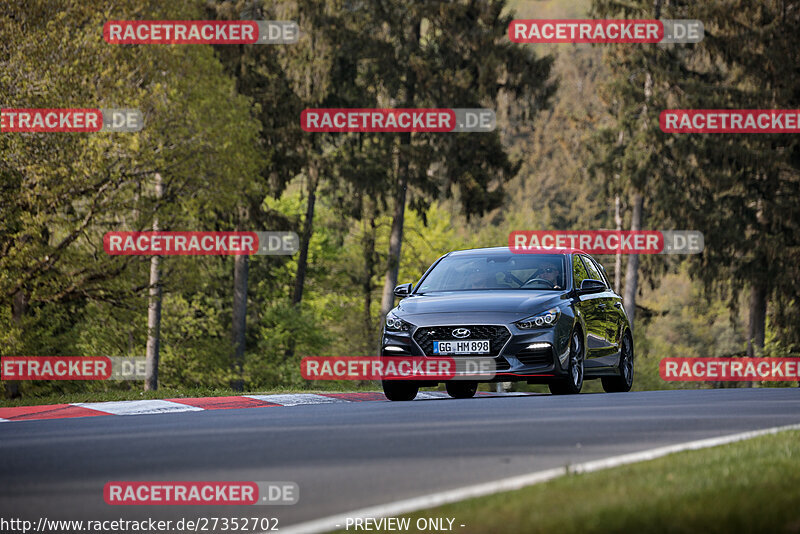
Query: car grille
(540,357)
(497,336)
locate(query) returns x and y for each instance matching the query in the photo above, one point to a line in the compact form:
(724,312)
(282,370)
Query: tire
(462,389)
(572,384)
(623,382)
(399,390)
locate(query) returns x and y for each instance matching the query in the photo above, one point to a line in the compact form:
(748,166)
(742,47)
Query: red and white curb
(157,406)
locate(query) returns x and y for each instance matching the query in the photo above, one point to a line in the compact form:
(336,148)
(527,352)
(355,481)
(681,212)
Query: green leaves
(740,190)
(59,193)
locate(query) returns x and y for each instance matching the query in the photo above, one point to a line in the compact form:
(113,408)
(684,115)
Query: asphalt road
(350,456)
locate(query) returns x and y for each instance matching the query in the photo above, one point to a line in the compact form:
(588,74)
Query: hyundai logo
(461,333)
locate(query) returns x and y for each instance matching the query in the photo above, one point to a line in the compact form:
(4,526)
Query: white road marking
(414,504)
(296,399)
(139,407)
(426,395)
(510,394)
(422,395)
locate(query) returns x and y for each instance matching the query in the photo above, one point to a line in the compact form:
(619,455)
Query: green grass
(749,486)
(169,393)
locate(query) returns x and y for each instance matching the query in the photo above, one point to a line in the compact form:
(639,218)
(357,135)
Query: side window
(579,273)
(592,269)
(603,272)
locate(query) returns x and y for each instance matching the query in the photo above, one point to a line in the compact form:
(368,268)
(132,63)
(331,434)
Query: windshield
(496,271)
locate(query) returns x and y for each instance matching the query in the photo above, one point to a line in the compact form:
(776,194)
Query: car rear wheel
(399,390)
(461,389)
(573,382)
(623,382)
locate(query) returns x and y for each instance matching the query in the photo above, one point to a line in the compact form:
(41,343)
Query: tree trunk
(241,264)
(758,317)
(632,269)
(305,240)
(238,327)
(618,259)
(154,311)
(398,218)
(396,235)
(308,228)
(368,247)
(19,307)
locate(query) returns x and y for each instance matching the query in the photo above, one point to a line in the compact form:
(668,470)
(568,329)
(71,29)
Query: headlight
(542,320)
(396,324)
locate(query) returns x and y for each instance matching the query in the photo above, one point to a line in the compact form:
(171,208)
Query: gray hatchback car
(545,318)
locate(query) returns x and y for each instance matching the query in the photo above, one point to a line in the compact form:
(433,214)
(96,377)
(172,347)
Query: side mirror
(403,290)
(592,286)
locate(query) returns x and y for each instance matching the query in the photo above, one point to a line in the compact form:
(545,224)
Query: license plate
(472,346)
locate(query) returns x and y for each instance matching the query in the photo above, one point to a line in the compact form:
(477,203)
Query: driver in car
(477,280)
(550,272)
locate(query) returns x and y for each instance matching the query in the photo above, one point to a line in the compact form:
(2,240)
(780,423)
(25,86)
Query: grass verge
(749,486)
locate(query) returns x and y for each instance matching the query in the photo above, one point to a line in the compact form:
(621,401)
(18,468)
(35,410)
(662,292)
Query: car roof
(505,250)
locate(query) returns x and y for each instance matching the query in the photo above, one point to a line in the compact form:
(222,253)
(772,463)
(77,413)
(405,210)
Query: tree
(453,55)
(258,75)
(628,155)
(62,192)
(757,46)
(738,189)
(154,307)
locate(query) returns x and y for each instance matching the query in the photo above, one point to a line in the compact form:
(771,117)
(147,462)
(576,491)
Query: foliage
(575,129)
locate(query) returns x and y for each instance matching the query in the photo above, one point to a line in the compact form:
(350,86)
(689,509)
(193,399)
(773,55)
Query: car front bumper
(524,355)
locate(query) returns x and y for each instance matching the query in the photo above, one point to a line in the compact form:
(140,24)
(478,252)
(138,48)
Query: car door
(607,327)
(588,306)
(614,309)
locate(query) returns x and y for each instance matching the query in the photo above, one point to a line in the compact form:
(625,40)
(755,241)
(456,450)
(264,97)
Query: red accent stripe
(520,374)
(47,411)
(224,403)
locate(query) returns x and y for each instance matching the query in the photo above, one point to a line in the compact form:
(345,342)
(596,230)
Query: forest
(577,146)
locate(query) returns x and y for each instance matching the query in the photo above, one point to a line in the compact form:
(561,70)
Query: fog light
(537,346)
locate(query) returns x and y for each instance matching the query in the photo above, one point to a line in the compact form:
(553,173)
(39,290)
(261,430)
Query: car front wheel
(461,389)
(573,382)
(399,390)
